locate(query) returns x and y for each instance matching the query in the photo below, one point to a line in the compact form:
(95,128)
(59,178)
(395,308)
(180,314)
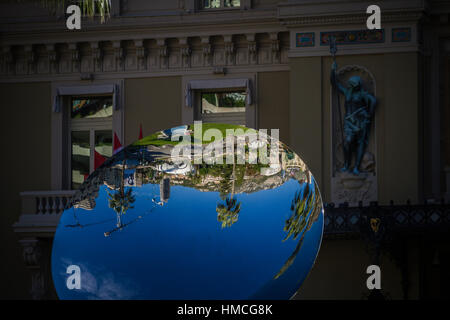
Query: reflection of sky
(180,251)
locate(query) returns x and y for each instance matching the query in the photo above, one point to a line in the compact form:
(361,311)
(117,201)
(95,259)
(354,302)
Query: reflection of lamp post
(233,177)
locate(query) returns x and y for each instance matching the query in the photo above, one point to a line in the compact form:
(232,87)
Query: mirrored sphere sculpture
(150,225)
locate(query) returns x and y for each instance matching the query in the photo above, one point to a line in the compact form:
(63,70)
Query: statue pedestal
(351,188)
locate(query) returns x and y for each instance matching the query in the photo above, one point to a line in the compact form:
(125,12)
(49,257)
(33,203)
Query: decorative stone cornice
(163,51)
(8,60)
(119,54)
(349,19)
(75,56)
(141,53)
(162,47)
(97,55)
(252,48)
(153,55)
(207,50)
(52,54)
(53,58)
(185,51)
(8,56)
(29,54)
(274,42)
(229,48)
(74,52)
(30,58)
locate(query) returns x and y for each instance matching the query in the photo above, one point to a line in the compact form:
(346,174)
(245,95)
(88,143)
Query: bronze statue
(359,111)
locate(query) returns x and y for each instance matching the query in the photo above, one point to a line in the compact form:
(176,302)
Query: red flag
(140,132)
(117,146)
(98,159)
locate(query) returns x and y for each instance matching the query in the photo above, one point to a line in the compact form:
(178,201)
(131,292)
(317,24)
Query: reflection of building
(154,60)
(164,190)
(87,204)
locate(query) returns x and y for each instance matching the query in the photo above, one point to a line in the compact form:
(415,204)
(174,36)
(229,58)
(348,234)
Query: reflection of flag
(117,146)
(140,132)
(98,159)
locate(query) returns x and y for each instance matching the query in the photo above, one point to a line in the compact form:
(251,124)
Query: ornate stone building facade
(157,59)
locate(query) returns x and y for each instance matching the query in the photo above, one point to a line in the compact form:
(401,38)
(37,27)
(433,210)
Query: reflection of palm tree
(121,200)
(306,207)
(228,212)
(300,207)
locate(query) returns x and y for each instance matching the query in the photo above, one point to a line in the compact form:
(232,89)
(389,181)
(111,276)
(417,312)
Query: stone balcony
(37,224)
(41,211)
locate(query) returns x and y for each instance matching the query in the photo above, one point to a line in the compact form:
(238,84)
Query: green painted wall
(153,102)
(400,175)
(273,102)
(25,130)
(305,116)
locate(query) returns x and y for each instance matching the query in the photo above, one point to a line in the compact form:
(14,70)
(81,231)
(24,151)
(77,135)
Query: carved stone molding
(97,55)
(252,48)
(275,46)
(181,54)
(75,56)
(349,18)
(229,49)
(207,51)
(163,52)
(30,58)
(185,51)
(8,60)
(119,54)
(52,58)
(141,53)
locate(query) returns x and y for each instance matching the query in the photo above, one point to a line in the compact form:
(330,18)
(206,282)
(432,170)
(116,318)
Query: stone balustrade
(41,211)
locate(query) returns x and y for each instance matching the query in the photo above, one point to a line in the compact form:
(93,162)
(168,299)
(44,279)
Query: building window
(90,135)
(227,100)
(223,107)
(224,4)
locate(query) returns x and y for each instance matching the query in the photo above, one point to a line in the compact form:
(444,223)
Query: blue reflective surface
(141,227)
